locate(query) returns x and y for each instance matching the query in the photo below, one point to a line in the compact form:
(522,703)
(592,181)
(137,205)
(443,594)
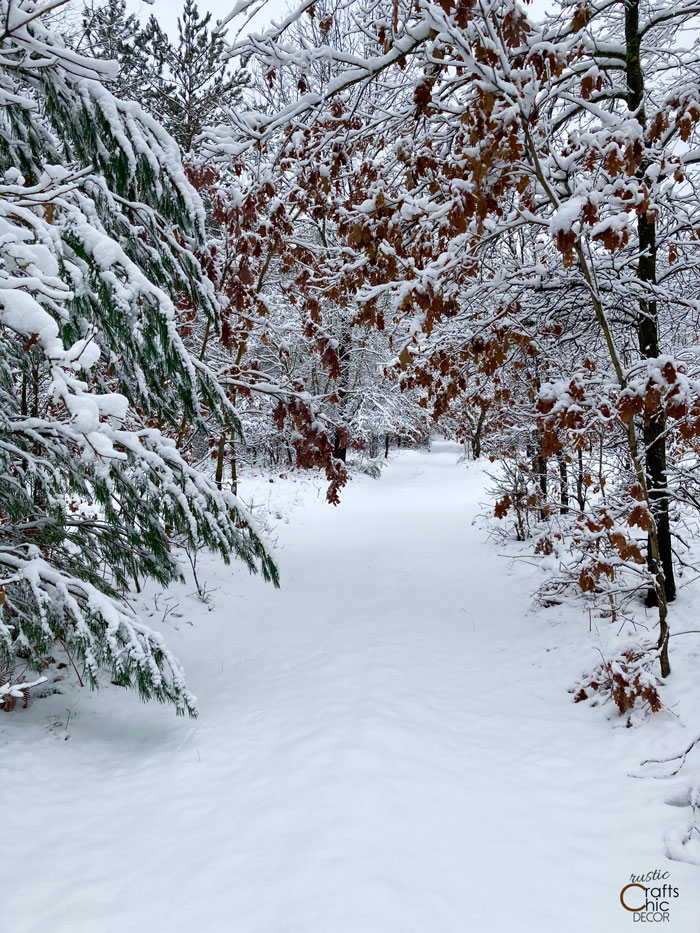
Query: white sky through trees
(167,11)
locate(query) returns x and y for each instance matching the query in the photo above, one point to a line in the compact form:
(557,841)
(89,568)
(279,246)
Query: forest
(350,410)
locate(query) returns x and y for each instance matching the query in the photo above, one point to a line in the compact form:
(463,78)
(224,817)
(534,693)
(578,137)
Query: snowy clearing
(385,745)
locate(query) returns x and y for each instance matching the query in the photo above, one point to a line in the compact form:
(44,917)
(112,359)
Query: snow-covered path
(385,745)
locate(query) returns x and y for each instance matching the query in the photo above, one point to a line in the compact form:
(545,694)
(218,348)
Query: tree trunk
(220,461)
(563,484)
(580,494)
(541,469)
(476,433)
(340,451)
(234,467)
(648,325)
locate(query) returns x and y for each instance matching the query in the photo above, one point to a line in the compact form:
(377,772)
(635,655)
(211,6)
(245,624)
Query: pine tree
(98,226)
(109,32)
(198,85)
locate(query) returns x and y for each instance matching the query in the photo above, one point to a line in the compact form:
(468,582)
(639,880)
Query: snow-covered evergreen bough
(97,230)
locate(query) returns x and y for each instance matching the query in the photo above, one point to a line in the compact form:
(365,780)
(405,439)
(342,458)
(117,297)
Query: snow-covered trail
(385,745)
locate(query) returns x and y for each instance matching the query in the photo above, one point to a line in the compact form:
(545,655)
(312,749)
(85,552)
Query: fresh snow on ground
(385,745)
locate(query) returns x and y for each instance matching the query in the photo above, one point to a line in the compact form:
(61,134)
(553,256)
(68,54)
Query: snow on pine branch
(134,654)
(98,226)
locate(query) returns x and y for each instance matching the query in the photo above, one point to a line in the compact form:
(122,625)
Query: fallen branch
(681,755)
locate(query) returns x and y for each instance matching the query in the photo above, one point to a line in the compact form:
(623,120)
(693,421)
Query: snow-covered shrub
(628,680)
